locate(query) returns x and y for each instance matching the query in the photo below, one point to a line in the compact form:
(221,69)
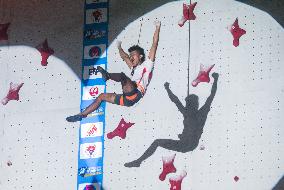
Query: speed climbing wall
(237,146)
(240,145)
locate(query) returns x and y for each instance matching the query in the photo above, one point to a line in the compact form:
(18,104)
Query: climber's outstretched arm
(152,53)
(124,55)
(209,100)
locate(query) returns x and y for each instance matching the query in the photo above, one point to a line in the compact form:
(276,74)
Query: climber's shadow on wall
(280,184)
(194,121)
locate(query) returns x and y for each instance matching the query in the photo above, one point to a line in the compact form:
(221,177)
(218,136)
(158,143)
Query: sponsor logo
(96,15)
(95,51)
(90,171)
(92,34)
(92,92)
(90,72)
(99,111)
(91,129)
(91,150)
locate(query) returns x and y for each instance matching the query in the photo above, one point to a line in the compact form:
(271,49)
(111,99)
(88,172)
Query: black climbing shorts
(128,99)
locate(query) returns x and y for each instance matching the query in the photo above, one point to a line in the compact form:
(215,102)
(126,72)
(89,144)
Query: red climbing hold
(176,181)
(203,75)
(237,32)
(13,93)
(168,167)
(187,13)
(45,52)
(120,130)
(236,178)
(3,31)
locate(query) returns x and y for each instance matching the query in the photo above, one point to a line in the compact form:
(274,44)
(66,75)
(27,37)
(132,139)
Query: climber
(134,87)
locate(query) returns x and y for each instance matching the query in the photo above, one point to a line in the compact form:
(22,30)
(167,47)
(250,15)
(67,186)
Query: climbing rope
(139,35)
(188,61)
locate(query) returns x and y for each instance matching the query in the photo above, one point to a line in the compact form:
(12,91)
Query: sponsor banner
(95,41)
(91,130)
(92,92)
(91,150)
(98,15)
(95,51)
(90,72)
(89,186)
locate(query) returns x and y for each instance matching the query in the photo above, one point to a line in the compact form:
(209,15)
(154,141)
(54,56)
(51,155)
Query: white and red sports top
(143,74)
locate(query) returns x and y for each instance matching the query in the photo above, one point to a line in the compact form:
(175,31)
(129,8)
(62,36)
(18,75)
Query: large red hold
(203,75)
(120,130)
(168,167)
(176,181)
(187,13)
(237,32)
(45,52)
(13,93)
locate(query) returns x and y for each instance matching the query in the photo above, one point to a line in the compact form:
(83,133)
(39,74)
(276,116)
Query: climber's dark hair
(139,50)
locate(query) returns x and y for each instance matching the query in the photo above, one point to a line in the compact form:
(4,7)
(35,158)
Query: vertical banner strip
(91,133)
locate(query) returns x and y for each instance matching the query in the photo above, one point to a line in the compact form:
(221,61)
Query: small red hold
(13,93)
(120,130)
(45,52)
(176,181)
(237,32)
(203,75)
(236,178)
(187,13)
(168,167)
(3,31)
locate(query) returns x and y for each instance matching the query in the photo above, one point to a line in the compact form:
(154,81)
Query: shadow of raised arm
(209,100)
(174,98)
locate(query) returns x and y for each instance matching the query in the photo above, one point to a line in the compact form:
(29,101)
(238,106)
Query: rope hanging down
(139,32)
(188,61)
